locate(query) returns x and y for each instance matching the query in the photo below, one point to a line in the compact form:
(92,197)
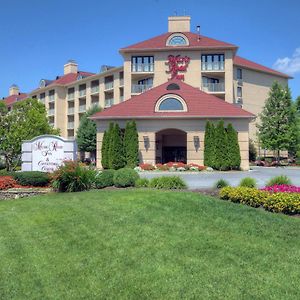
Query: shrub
(282,188)
(142,182)
(73,177)
(252,151)
(4,172)
(278,180)
(248,182)
(131,144)
(125,177)
(161,167)
(245,195)
(147,167)
(104,179)
(168,182)
(287,203)
(221,183)
(32,178)
(233,148)
(7,182)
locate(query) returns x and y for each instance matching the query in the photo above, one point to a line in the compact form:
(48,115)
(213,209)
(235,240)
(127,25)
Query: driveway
(207,179)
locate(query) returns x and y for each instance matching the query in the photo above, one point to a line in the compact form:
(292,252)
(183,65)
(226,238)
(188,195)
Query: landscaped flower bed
(170,166)
(282,188)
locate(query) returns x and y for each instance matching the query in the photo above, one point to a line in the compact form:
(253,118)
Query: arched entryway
(171,145)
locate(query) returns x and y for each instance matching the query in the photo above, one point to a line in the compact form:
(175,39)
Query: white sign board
(46,153)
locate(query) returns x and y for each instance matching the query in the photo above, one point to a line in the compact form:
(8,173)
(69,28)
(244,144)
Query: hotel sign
(176,65)
(46,153)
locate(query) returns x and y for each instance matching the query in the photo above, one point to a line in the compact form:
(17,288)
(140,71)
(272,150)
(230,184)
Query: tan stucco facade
(194,128)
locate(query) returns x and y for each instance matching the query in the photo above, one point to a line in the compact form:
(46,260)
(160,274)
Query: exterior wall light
(146,142)
(196,143)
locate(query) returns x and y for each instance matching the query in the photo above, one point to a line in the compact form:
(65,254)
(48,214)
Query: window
(52,95)
(177,40)
(212,62)
(170,104)
(239,73)
(173,86)
(239,92)
(142,63)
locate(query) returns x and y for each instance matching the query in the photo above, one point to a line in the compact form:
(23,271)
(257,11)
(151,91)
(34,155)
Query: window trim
(177,34)
(174,96)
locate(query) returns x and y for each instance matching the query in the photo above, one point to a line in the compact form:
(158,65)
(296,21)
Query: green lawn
(138,244)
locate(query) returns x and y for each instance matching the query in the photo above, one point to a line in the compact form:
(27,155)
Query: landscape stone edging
(15,193)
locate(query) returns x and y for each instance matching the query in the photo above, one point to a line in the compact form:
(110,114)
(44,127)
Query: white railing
(51,124)
(51,112)
(70,125)
(109,102)
(71,110)
(121,82)
(82,93)
(51,98)
(94,89)
(109,85)
(213,66)
(213,87)
(71,96)
(82,108)
(140,88)
(142,67)
(121,98)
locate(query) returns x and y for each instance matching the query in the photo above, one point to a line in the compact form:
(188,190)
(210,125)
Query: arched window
(170,104)
(177,40)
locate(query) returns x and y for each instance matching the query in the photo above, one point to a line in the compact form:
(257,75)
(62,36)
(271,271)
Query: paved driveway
(207,179)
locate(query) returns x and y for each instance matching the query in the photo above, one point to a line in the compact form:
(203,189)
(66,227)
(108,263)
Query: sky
(38,37)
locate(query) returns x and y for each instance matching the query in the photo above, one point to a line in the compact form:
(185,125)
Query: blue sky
(38,37)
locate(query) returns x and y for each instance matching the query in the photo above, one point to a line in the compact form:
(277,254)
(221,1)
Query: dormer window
(79,77)
(171,103)
(42,83)
(177,39)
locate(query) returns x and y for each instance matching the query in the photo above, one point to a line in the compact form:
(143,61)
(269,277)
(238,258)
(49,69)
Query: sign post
(47,152)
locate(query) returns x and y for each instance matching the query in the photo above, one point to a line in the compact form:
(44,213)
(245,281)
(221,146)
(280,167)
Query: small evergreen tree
(209,145)
(104,150)
(116,150)
(233,148)
(221,157)
(131,144)
(277,126)
(108,149)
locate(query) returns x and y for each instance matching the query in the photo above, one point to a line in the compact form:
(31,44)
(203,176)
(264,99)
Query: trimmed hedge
(142,182)
(125,177)
(168,182)
(32,178)
(288,203)
(104,179)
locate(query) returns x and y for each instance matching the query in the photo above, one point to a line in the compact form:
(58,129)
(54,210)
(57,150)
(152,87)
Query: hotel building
(171,85)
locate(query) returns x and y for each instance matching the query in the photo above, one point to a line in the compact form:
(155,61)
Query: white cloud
(289,65)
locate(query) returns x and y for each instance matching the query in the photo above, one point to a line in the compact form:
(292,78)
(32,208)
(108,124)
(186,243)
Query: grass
(134,244)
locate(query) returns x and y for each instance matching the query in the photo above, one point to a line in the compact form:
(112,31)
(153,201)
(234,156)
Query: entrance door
(173,154)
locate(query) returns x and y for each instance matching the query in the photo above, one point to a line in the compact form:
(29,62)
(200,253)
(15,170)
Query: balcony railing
(213,66)
(109,85)
(51,124)
(94,89)
(109,102)
(71,110)
(121,98)
(82,108)
(140,88)
(71,96)
(51,112)
(213,87)
(82,93)
(121,82)
(42,100)
(70,125)
(142,67)
(51,98)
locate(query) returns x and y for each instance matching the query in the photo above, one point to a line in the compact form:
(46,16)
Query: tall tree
(221,155)
(277,120)
(117,159)
(86,135)
(233,148)
(3,108)
(209,145)
(105,150)
(27,120)
(131,144)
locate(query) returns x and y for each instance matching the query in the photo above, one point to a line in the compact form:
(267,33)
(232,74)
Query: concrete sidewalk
(207,179)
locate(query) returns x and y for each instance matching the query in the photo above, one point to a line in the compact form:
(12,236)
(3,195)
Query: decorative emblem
(177,64)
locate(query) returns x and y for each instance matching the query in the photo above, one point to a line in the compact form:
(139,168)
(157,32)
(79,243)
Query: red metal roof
(199,105)
(239,61)
(159,42)
(14,98)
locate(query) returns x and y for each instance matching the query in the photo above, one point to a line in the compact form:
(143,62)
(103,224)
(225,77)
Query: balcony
(140,88)
(213,66)
(213,87)
(82,93)
(109,85)
(109,102)
(95,89)
(82,108)
(51,98)
(121,98)
(71,111)
(70,125)
(71,96)
(142,68)
(51,112)
(121,82)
